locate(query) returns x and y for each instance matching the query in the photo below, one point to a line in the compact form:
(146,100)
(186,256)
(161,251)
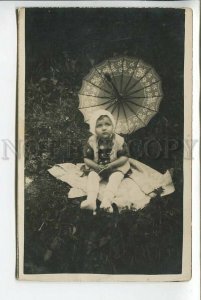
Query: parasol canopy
(127,87)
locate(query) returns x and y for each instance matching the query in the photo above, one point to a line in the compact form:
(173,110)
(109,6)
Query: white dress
(134,191)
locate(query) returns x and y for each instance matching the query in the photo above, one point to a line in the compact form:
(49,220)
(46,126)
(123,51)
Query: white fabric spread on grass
(133,190)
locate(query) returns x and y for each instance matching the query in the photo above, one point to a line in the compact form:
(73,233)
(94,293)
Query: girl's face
(104,127)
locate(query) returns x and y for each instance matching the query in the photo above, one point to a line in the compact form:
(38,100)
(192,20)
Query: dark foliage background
(62,45)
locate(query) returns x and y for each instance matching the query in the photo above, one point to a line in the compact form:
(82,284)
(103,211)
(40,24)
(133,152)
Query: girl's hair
(102,117)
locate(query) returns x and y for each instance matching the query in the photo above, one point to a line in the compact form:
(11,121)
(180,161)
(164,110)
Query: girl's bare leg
(111,190)
(92,191)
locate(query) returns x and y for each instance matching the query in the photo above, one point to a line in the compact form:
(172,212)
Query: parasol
(127,87)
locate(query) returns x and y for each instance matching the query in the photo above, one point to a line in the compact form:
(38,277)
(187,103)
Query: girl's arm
(91,164)
(122,158)
(118,162)
(88,158)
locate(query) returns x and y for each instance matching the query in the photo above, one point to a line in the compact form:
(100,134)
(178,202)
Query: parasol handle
(109,79)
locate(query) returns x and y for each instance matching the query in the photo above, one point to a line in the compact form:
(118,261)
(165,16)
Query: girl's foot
(105,204)
(87,204)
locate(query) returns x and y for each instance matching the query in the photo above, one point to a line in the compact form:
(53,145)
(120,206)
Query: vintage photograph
(104,182)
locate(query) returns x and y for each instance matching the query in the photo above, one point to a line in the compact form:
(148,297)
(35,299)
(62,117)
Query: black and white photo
(104,114)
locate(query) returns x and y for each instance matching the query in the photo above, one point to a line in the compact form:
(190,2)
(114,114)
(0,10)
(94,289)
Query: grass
(61,238)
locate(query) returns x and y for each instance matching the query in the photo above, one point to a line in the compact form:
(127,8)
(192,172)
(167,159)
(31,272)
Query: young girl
(106,156)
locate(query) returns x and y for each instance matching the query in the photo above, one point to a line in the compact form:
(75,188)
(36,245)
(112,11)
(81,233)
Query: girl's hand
(102,167)
(92,165)
(104,170)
